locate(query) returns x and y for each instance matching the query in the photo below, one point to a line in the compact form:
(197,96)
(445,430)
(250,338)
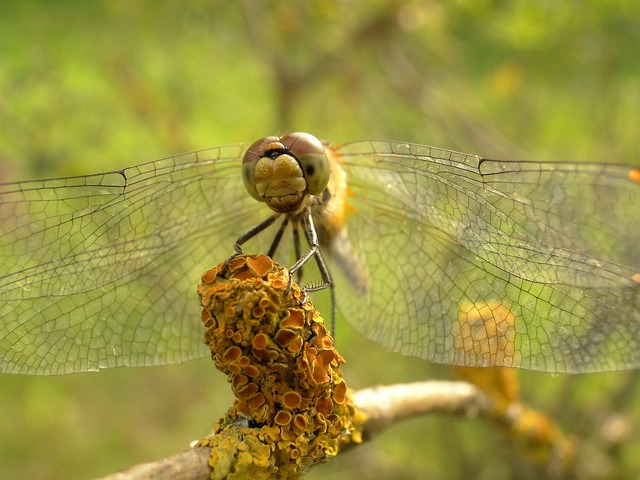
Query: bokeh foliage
(92,86)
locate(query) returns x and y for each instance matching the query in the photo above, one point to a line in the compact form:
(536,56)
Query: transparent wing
(554,244)
(101,271)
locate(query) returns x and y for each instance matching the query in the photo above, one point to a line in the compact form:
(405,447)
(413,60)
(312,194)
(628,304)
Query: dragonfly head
(283,171)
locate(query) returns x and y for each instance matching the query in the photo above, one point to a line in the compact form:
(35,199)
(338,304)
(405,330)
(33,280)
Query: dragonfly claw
(305,295)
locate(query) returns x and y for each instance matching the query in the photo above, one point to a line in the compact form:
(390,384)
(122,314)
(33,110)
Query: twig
(383,407)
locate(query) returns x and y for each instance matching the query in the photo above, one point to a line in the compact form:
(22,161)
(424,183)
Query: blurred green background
(92,86)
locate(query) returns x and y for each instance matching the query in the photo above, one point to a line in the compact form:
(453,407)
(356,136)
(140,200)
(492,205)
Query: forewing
(552,246)
(101,270)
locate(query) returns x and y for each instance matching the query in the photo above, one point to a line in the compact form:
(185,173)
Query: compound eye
(254,153)
(309,152)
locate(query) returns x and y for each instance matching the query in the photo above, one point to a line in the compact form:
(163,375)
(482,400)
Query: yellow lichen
(485,335)
(292,407)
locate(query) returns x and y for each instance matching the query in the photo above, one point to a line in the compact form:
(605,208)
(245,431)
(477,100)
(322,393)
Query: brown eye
(251,157)
(310,153)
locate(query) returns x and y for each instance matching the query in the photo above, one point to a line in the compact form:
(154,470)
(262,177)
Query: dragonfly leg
(312,238)
(328,283)
(278,237)
(297,249)
(244,238)
(314,251)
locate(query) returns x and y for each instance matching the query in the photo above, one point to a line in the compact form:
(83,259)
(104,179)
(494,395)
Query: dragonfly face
(436,254)
(299,176)
(284,172)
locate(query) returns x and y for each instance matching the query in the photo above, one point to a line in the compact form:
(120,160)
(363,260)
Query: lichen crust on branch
(292,408)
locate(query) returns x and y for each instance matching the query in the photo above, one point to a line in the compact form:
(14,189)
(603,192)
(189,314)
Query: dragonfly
(432,253)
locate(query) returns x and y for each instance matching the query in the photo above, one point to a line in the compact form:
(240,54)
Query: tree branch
(383,407)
